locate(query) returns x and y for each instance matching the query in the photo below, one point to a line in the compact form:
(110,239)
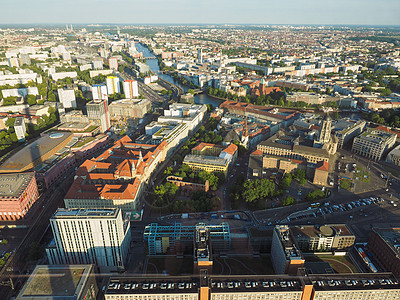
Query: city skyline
(309,12)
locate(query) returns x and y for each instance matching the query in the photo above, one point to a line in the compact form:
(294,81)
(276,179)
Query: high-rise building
(131,89)
(325,133)
(373,143)
(99,92)
(113,63)
(13,62)
(90,236)
(25,59)
(20,128)
(67,98)
(97,111)
(112,85)
(200,56)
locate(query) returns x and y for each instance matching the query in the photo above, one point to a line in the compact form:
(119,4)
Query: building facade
(18,193)
(131,89)
(112,83)
(67,98)
(129,108)
(113,63)
(87,236)
(347,134)
(98,112)
(20,128)
(373,143)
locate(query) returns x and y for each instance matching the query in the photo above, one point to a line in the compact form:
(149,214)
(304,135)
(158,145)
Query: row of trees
(389,117)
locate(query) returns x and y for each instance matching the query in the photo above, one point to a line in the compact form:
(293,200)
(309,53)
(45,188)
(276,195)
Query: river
(154,67)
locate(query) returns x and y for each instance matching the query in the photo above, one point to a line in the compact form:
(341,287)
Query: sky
(357,12)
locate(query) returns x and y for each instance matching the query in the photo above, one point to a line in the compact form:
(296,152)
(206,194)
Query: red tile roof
(323,166)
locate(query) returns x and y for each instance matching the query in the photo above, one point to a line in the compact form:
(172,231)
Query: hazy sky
(365,12)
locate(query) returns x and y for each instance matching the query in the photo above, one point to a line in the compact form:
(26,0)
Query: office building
(347,133)
(20,128)
(131,89)
(113,63)
(311,238)
(200,56)
(129,109)
(112,85)
(373,143)
(90,236)
(116,177)
(384,244)
(190,114)
(269,287)
(98,112)
(99,92)
(287,257)
(67,98)
(18,192)
(54,282)
(394,156)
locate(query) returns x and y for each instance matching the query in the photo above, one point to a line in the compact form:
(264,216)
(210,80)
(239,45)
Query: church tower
(325,133)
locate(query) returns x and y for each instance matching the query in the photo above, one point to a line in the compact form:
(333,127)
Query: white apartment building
(90,236)
(67,98)
(113,63)
(20,128)
(99,92)
(373,143)
(348,133)
(190,114)
(112,83)
(131,89)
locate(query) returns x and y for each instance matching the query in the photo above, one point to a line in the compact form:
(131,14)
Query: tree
(10,122)
(315,195)
(30,99)
(289,200)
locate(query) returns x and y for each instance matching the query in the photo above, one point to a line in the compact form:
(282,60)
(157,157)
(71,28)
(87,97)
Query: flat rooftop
(35,151)
(12,185)
(55,282)
(80,212)
(391,236)
(325,230)
(205,160)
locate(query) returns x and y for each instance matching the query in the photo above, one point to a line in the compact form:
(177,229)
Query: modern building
(287,257)
(373,143)
(113,63)
(36,152)
(113,85)
(384,244)
(211,158)
(394,156)
(56,282)
(116,177)
(67,98)
(98,112)
(90,236)
(129,108)
(200,56)
(131,89)
(328,237)
(20,128)
(99,92)
(170,133)
(268,287)
(347,133)
(190,114)
(18,192)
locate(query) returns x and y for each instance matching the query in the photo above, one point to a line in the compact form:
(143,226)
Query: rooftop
(63,281)
(81,213)
(33,152)
(205,160)
(391,236)
(12,185)
(325,230)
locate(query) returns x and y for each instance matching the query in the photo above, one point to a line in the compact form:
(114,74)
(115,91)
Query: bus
(314,205)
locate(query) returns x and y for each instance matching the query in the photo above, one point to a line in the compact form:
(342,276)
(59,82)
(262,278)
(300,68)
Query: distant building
(200,56)
(309,98)
(373,143)
(99,92)
(129,108)
(287,257)
(97,64)
(18,192)
(113,85)
(98,111)
(131,89)
(25,59)
(13,62)
(394,156)
(113,63)
(73,282)
(20,128)
(104,239)
(67,98)
(346,134)
(384,244)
